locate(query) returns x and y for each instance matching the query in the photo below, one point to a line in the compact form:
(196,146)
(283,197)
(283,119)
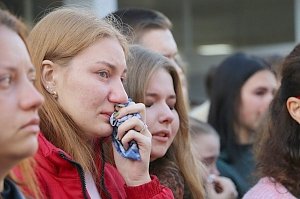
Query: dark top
(240,170)
(11,191)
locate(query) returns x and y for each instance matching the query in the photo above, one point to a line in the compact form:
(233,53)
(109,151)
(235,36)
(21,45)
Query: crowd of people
(62,82)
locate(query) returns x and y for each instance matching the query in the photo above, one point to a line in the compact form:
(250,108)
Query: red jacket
(61,177)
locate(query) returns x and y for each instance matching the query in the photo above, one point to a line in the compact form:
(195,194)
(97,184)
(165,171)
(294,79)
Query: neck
(5,168)
(244,135)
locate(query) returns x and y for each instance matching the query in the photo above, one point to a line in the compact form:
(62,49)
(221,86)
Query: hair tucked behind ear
(59,37)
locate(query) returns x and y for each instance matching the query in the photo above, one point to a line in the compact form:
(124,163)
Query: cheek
(9,121)
(251,104)
(86,96)
(175,123)
(150,118)
(91,97)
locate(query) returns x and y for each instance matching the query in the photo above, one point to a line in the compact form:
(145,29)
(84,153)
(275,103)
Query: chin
(157,154)
(27,150)
(104,131)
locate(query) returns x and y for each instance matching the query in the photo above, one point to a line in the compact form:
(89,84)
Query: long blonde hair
(27,180)
(59,37)
(143,63)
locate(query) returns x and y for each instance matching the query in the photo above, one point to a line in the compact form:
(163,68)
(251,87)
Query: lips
(32,125)
(161,136)
(107,114)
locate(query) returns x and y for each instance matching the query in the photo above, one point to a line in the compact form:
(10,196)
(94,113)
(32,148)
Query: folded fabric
(133,150)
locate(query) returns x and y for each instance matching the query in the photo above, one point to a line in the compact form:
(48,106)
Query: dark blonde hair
(59,37)
(28,180)
(144,63)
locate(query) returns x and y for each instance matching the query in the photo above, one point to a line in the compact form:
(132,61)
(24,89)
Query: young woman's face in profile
(91,84)
(256,95)
(19,100)
(162,118)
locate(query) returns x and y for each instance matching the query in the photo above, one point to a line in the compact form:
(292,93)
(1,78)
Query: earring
(52,92)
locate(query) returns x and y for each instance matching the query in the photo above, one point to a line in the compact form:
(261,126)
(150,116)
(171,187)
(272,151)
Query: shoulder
(268,188)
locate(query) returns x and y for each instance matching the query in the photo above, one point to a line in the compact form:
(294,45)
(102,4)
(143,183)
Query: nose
(166,114)
(118,94)
(214,170)
(30,98)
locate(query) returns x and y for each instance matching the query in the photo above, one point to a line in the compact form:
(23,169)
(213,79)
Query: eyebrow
(148,94)
(112,66)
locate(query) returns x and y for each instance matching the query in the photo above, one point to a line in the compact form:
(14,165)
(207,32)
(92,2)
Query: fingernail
(116,114)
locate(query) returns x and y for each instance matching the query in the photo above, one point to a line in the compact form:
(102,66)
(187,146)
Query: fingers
(223,186)
(132,108)
(133,124)
(138,137)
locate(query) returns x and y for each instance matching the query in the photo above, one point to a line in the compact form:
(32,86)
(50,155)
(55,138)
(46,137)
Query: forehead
(160,41)
(262,78)
(108,50)
(13,50)
(161,79)
(207,142)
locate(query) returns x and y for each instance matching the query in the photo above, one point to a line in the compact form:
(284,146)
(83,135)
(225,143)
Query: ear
(293,106)
(48,78)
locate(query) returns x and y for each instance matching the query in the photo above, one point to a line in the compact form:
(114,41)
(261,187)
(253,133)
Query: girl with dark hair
(242,88)
(278,149)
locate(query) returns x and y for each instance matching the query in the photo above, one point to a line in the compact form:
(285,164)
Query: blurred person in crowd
(19,102)
(160,90)
(81,67)
(277,148)
(242,89)
(201,112)
(206,143)
(151,29)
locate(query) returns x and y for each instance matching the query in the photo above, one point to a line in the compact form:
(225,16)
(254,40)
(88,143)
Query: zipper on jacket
(80,171)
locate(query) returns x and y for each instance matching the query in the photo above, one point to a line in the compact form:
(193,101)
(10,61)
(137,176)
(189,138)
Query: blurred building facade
(206,30)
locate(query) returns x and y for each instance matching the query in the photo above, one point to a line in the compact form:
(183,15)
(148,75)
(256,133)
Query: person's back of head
(135,21)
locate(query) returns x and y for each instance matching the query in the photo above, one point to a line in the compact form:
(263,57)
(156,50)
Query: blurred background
(206,31)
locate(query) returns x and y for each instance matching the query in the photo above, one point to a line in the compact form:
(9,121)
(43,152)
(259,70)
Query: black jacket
(11,191)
